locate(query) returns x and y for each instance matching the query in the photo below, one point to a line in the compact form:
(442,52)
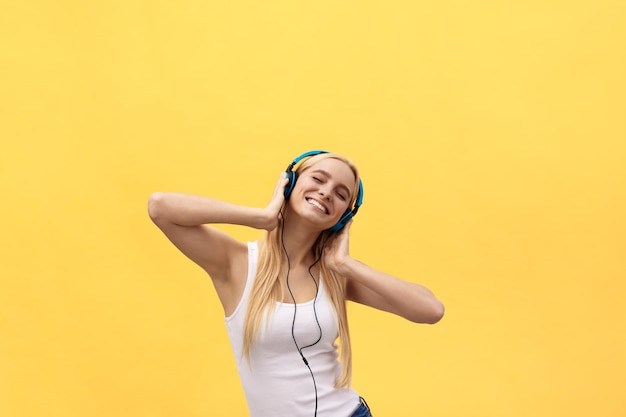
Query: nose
(324,192)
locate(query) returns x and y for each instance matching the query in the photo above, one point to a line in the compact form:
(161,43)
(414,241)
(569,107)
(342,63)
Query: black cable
(295,309)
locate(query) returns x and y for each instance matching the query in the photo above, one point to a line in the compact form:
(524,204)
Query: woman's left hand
(337,253)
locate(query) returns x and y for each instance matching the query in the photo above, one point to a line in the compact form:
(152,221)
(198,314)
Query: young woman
(284,297)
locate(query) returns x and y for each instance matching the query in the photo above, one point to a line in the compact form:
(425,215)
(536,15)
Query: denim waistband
(363,410)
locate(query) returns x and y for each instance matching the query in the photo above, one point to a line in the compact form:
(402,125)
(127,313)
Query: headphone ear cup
(292,177)
(343,221)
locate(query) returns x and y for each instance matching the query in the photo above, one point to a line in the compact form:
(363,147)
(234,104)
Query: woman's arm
(182,218)
(374,288)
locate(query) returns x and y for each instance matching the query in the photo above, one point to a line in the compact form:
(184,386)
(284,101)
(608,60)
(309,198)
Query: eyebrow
(341,185)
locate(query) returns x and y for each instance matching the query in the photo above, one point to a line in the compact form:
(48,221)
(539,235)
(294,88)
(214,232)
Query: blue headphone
(293,176)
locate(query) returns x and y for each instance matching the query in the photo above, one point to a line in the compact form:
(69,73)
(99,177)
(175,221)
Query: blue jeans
(363,410)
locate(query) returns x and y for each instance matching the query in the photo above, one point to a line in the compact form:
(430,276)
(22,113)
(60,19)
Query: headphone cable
(295,309)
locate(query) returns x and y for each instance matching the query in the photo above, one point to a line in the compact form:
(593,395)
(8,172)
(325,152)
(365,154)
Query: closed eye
(342,191)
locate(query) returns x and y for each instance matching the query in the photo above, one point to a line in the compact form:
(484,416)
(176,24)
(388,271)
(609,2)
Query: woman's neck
(298,241)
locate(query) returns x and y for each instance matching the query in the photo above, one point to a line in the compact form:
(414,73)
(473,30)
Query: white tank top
(276,382)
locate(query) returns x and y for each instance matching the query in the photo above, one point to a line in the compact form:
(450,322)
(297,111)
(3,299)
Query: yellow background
(491,140)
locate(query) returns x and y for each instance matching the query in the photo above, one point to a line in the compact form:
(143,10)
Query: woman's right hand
(272,210)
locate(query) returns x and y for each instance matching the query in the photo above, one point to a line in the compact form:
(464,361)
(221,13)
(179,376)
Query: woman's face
(323,192)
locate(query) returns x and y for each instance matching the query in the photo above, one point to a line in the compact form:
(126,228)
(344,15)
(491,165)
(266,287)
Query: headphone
(293,176)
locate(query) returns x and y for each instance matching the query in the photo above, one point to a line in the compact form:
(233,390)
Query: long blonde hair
(267,288)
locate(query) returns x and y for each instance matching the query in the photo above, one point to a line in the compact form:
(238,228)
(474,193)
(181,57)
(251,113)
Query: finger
(282,182)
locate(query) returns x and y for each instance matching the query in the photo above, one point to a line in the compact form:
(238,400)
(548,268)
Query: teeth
(316,204)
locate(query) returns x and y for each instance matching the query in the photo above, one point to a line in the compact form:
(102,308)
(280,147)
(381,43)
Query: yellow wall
(490,135)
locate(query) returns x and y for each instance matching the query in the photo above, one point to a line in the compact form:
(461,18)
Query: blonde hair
(267,288)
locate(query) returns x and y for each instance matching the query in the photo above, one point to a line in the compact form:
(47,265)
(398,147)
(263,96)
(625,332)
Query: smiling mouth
(317,205)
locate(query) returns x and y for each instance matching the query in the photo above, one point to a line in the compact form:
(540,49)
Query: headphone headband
(293,176)
(304,155)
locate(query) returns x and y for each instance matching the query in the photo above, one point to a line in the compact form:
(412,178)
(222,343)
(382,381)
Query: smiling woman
(328,186)
(284,297)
